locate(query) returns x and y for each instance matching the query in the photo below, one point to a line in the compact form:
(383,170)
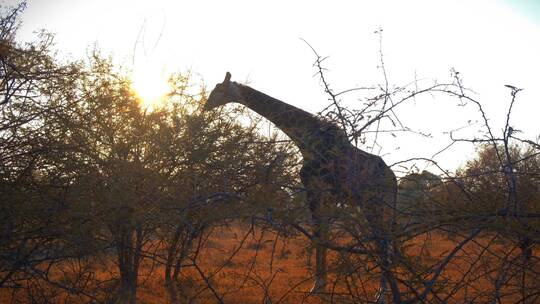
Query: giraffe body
(333,169)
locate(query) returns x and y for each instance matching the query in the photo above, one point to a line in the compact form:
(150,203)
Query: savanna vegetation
(105,201)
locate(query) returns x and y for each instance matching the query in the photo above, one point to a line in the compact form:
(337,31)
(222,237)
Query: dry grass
(282,268)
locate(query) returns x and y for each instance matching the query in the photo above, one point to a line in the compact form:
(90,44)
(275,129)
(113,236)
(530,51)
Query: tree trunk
(129,247)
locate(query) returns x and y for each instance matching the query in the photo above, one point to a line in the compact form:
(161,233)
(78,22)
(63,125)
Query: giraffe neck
(310,134)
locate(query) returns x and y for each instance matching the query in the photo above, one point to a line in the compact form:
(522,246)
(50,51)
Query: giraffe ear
(227,78)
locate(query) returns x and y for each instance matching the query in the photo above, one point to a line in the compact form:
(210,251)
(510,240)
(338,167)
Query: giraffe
(333,169)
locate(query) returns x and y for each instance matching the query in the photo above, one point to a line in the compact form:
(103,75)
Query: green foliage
(416,196)
(487,182)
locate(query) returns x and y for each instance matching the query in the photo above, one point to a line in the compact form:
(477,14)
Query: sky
(491,43)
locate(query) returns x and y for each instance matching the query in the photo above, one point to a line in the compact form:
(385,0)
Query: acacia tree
(31,88)
(423,272)
(114,177)
(87,174)
(516,226)
(214,170)
(415,200)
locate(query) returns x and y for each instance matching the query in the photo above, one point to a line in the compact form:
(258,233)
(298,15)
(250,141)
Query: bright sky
(491,43)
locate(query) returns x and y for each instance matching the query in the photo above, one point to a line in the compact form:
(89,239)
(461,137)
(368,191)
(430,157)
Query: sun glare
(151,87)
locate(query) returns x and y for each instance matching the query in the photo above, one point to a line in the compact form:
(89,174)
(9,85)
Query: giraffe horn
(227,78)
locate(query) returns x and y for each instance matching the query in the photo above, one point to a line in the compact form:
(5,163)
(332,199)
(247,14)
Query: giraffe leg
(382,293)
(320,223)
(320,236)
(384,253)
(388,288)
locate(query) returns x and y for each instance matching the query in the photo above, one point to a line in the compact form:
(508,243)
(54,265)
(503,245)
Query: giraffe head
(223,93)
